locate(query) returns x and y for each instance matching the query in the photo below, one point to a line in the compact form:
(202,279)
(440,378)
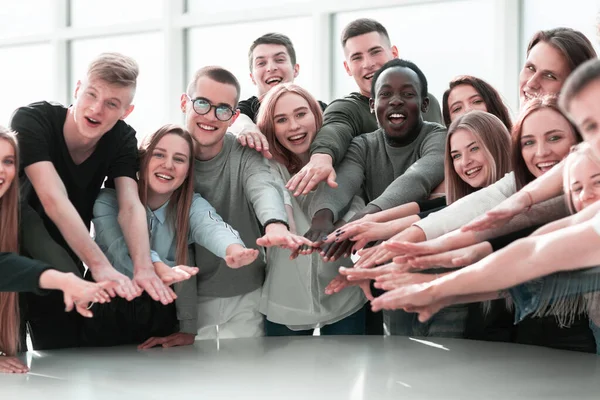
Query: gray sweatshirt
(239,185)
(389,176)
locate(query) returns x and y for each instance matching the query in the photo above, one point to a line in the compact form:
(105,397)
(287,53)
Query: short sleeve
(33,126)
(125,162)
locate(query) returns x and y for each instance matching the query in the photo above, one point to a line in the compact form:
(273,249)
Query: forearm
(401,211)
(52,279)
(401,224)
(75,233)
(132,220)
(545,187)
(526,259)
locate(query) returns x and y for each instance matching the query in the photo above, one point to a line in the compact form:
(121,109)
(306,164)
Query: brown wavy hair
(264,122)
(494,140)
(9,226)
(178,211)
(491,97)
(522,174)
(575,47)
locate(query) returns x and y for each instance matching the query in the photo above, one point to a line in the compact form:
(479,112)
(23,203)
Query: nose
(168,163)
(294,124)
(466,159)
(587,194)
(396,99)
(271,65)
(534,81)
(368,63)
(542,149)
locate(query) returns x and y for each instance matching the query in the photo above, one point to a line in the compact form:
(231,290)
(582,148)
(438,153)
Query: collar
(161,213)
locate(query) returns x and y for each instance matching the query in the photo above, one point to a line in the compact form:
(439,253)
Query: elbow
(51,204)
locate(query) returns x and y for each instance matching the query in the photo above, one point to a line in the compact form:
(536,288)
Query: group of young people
(245,221)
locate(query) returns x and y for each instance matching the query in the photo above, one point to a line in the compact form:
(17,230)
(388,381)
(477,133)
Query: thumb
(331,179)
(366,287)
(69,303)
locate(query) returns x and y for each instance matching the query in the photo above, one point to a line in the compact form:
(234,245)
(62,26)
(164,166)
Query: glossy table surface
(348,368)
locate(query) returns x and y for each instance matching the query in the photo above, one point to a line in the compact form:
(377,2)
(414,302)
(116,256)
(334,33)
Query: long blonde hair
(9,226)
(494,139)
(178,211)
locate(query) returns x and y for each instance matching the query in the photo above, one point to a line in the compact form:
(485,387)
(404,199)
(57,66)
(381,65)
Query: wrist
(233,248)
(53,279)
(323,215)
(322,158)
(275,225)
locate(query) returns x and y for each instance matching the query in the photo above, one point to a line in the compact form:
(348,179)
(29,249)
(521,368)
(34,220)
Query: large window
(25,17)
(443,39)
(86,13)
(228,45)
(150,102)
(23,79)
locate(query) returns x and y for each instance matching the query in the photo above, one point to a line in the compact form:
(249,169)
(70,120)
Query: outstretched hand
(318,169)
(173,340)
(502,213)
(253,138)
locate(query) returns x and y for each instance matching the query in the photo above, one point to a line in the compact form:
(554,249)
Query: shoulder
(348,104)
(122,133)
(38,113)
(248,102)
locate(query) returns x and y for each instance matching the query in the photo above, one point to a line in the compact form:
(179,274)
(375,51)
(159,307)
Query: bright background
(45,45)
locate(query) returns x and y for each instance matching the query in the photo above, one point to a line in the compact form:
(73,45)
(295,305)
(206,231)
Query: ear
(372,105)
(252,79)
(296,70)
(347,68)
(425,105)
(235,115)
(183,102)
(77,87)
(395,52)
(127,112)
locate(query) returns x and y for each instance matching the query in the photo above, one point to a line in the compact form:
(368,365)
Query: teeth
(92,120)
(1,181)
(207,127)
(472,170)
(546,164)
(397,115)
(274,80)
(167,177)
(369,76)
(297,137)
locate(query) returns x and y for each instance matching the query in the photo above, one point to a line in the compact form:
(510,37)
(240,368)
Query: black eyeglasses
(202,106)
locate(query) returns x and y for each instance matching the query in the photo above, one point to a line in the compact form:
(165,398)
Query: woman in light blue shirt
(166,189)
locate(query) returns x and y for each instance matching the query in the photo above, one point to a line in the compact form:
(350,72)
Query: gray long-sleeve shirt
(239,185)
(351,116)
(389,176)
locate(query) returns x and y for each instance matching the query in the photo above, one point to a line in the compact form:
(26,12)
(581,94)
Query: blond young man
(66,155)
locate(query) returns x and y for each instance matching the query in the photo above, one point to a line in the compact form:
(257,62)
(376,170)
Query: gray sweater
(239,185)
(389,176)
(351,116)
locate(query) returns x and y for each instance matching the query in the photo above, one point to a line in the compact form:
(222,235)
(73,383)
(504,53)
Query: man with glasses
(223,302)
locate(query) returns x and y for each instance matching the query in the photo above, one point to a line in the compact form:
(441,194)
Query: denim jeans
(353,324)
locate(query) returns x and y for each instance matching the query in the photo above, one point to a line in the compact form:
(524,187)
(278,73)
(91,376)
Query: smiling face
(207,130)
(398,104)
(99,106)
(365,54)
(7,165)
(294,122)
(546,139)
(464,98)
(468,158)
(271,65)
(168,167)
(584,178)
(585,112)
(544,72)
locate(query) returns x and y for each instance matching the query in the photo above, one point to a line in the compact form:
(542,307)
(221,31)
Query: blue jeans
(353,324)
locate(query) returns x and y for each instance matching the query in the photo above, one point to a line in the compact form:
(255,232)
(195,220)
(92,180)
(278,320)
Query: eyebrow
(281,53)
(368,51)
(115,99)
(162,149)
(466,147)
(295,111)
(470,98)
(545,133)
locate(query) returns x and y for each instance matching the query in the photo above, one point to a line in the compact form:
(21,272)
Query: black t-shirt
(251,106)
(39,128)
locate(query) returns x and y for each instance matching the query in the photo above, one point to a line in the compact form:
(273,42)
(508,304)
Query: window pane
(23,81)
(217,45)
(25,17)
(548,14)
(110,12)
(149,113)
(196,6)
(443,39)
